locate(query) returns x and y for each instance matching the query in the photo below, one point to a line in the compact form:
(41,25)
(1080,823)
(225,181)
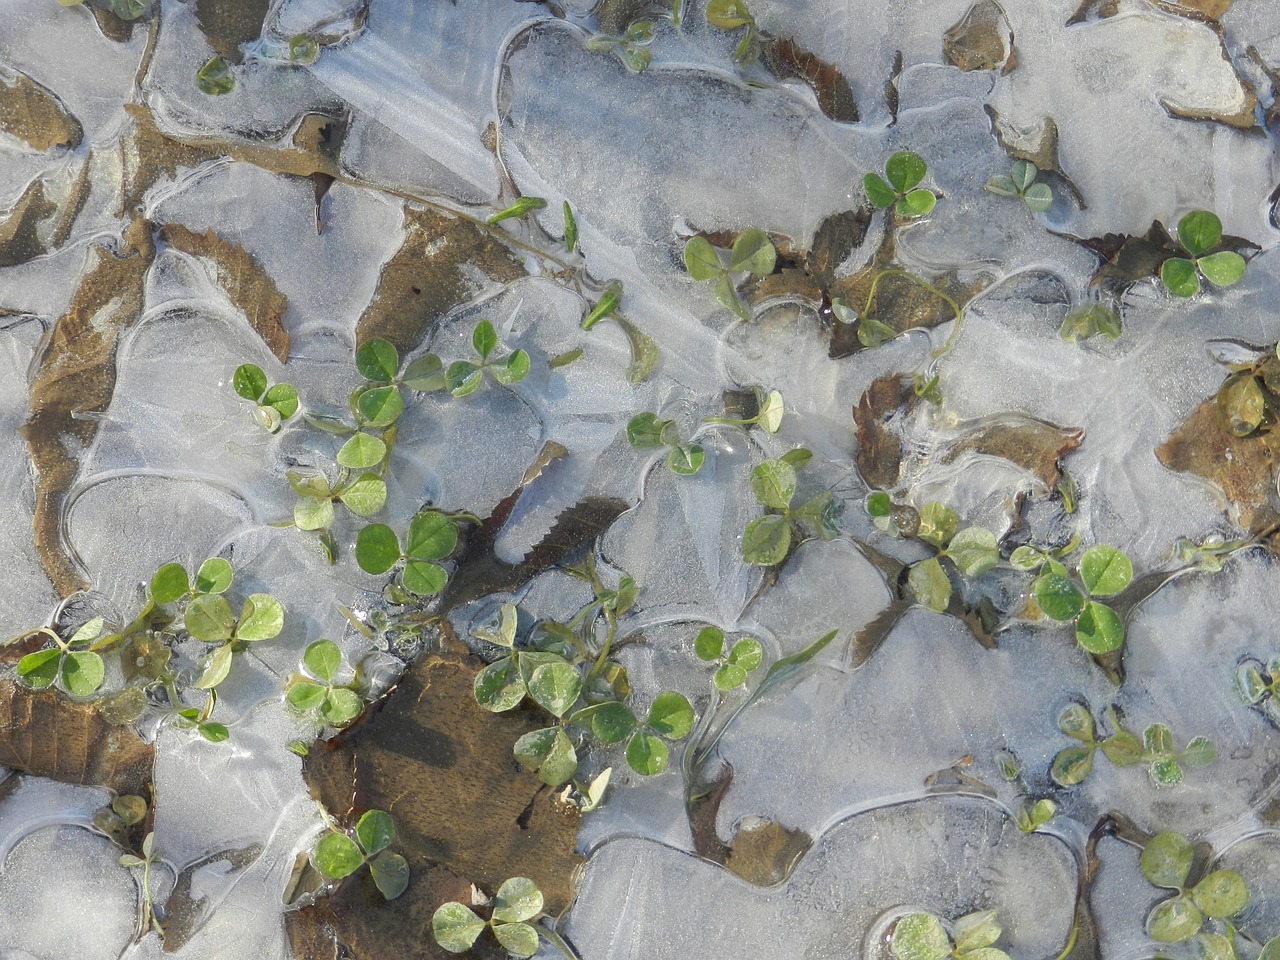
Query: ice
(948,855)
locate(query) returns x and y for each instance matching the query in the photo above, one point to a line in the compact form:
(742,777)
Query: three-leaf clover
(646,432)
(214,76)
(1123,748)
(752,252)
(1199,232)
(518,902)
(172,583)
(1104,572)
(922,936)
(1259,685)
(670,717)
(431,536)
(629,48)
(732,666)
(338,856)
(464,377)
(904,171)
(364,494)
(316,690)
(70,663)
(1166,862)
(1022,183)
(1091,320)
(380,404)
(208,618)
(767,540)
(273,404)
(972,551)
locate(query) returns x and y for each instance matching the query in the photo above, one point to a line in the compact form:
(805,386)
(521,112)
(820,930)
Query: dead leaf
(1094,10)
(614,16)
(1241,468)
(787,60)
(34,114)
(464,813)
(112,26)
(47,734)
(900,303)
(787,282)
(764,852)
(148,155)
(444,261)
(835,239)
(481,572)
(981,40)
(20,231)
(188,907)
(1203,10)
(252,291)
(227,25)
(76,375)
(1128,259)
(1034,445)
(877,417)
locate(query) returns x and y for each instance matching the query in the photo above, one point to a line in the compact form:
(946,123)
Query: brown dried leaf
(1127,259)
(148,155)
(787,60)
(1037,144)
(187,909)
(1094,10)
(111,26)
(1203,10)
(880,409)
(442,767)
(20,231)
(35,115)
(77,376)
(1034,445)
(1241,468)
(765,852)
(899,303)
(228,25)
(836,237)
(47,734)
(439,266)
(1243,117)
(252,291)
(981,40)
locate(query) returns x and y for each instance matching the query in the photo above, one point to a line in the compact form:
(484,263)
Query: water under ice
(872,781)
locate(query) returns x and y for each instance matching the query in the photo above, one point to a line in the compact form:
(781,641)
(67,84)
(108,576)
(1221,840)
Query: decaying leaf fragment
(464,813)
(47,734)
(1034,445)
(1037,144)
(227,26)
(34,114)
(1242,116)
(787,60)
(1241,468)
(981,40)
(148,155)
(764,852)
(878,417)
(441,263)
(20,231)
(252,291)
(76,376)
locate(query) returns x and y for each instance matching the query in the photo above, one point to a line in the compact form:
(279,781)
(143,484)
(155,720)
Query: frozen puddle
(1003,629)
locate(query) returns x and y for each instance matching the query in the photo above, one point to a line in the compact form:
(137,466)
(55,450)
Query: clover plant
(557,667)
(364,494)
(516,906)
(1247,401)
(149,919)
(752,253)
(208,618)
(922,936)
(215,78)
(872,332)
(1166,862)
(431,536)
(1091,320)
(380,404)
(769,412)
(518,210)
(904,171)
(1022,183)
(730,15)
(732,665)
(464,377)
(274,404)
(1103,571)
(338,855)
(630,48)
(70,663)
(315,690)
(1123,748)
(646,432)
(767,540)
(1259,686)
(125,810)
(1031,815)
(570,228)
(1199,232)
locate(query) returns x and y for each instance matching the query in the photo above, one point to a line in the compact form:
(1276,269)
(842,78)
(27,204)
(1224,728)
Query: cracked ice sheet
(950,855)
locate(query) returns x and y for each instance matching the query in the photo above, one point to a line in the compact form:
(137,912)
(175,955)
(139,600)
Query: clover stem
(558,942)
(603,655)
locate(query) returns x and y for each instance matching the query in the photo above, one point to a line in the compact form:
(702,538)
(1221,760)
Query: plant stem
(949,301)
